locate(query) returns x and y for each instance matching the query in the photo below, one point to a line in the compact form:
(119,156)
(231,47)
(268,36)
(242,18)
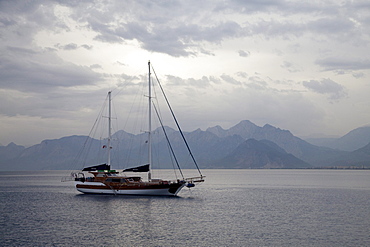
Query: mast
(109,126)
(150,126)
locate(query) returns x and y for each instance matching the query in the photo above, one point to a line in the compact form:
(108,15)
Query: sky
(303,66)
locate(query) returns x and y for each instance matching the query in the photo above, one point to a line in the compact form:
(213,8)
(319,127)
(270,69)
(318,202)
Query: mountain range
(352,141)
(244,145)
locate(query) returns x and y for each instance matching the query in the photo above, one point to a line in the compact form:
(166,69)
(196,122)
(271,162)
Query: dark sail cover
(98,167)
(144,168)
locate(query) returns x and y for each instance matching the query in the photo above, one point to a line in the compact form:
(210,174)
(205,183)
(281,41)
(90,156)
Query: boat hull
(150,190)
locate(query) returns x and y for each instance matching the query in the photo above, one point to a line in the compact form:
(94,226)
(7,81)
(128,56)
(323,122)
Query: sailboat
(105,180)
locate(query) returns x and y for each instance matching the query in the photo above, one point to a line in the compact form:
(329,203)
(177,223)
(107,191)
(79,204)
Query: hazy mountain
(215,147)
(353,140)
(358,158)
(260,154)
(317,156)
(246,129)
(205,146)
(48,155)
(363,150)
(10,151)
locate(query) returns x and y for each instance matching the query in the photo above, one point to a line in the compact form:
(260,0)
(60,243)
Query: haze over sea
(232,208)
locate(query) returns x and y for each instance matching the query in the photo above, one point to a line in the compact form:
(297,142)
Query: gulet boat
(101,179)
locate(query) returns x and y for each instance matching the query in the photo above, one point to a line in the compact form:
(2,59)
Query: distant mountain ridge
(317,156)
(351,141)
(244,145)
(245,129)
(11,151)
(357,158)
(264,154)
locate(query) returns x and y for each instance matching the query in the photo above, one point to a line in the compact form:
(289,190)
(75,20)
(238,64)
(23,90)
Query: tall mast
(150,126)
(109,125)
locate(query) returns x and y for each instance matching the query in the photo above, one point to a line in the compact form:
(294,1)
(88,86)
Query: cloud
(87,47)
(52,53)
(358,75)
(249,7)
(335,63)
(95,66)
(72,46)
(230,80)
(289,66)
(244,53)
(326,86)
(190,82)
(242,74)
(257,83)
(177,29)
(180,40)
(181,29)
(20,50)
(68,47)
(20,20)
(41,71)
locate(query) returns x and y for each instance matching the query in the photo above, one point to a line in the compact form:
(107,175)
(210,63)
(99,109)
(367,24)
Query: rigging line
(177,124)
(115,141)
(172,163)
(80,154)
(136,103)
(159,115)
(100,129)
(168,141)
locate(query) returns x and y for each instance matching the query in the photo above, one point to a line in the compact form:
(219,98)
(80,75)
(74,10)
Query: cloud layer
(298,66)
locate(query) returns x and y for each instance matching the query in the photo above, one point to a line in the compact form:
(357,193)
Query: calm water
(233,208)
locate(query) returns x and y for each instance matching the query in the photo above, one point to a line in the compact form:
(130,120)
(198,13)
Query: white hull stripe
(157,192)
(97,190)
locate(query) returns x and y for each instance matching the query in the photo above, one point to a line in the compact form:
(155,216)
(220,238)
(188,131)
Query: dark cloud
(326,86)
(179,29)
(339,27)
(244,53)
(20,20)
(68,47)
(18,51)
(62,104)
(335,63)
(72,46)
(181,40)
(40,71)
(248,7)
(87,47)
(230,79)
(335,24)
(6,21)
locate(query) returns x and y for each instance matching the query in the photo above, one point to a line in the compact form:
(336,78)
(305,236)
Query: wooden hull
(151,189)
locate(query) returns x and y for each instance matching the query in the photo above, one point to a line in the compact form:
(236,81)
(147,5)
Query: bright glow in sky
(298,66)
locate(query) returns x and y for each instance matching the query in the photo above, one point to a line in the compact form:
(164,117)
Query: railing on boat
(195,179)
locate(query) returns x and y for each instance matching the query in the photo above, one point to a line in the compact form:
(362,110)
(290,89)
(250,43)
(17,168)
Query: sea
(231,208)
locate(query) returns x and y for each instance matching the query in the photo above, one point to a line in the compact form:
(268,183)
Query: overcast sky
(304,67)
